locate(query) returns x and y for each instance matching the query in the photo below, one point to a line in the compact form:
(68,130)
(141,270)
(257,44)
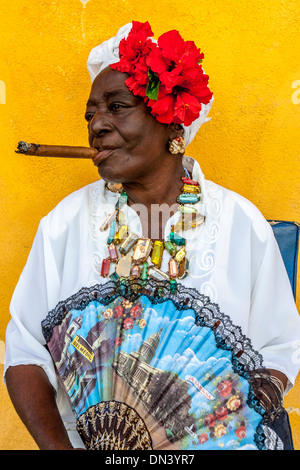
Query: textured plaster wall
(251,145)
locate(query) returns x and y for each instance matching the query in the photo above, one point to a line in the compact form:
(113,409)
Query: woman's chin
(109,176)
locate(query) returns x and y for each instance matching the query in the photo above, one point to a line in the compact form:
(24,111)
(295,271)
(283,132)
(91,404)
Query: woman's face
(132,143)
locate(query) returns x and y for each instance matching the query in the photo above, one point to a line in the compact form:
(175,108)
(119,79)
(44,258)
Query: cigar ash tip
(23,147)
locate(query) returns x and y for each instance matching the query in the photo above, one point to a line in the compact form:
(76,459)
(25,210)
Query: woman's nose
(99,124)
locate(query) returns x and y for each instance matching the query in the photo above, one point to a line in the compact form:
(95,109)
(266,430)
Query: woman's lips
(102,155)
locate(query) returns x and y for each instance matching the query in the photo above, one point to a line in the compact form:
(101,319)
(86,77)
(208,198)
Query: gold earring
(177,145)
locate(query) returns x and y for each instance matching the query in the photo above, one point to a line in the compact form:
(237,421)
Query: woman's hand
(34,400)
(268,386)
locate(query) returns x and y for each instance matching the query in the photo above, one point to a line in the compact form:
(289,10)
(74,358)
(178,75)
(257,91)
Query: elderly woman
(154,311)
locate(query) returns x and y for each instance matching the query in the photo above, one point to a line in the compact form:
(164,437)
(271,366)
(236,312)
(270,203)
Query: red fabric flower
(135,46)
(118,342)
(128,324)
(135,312)
(137,82)
(185,86)
(178,107)
(224,388)
(221,413)
(118,311)
(133,51)
(174,58)
(163,107)
(209,421)
(203,438)
(241,432)
(168,74)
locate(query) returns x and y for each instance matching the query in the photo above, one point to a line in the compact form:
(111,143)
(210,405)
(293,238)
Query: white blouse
(234,259)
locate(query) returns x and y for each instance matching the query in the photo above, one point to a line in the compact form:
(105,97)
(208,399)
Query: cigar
(63,151)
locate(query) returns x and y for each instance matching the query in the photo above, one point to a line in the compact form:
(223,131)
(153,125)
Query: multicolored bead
(177,239)
(142,250)
(190,188)
(112,232)
(122,234)
(144,274)
(121,201)
(114,187)
(183,268)
(135,271)
(124,266)
(184,223)
(108,221)
(114,276)
(198,220)
(157,274)
(122,218)
(127,244)
(187,209)
(170,247)
(187,222)
(105,267)
(172,285)
(173,268)
(188,198)
(157,253)
(189,181)
(180,255)
(113,254)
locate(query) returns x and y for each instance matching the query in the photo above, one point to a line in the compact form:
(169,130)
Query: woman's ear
(176,130)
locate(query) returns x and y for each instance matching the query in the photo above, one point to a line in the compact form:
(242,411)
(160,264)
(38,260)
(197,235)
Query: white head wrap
(107,53)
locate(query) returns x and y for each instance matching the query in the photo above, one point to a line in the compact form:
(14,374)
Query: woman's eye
(116,106)
(88,117)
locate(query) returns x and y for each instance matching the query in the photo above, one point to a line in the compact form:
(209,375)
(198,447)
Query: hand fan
(146,367)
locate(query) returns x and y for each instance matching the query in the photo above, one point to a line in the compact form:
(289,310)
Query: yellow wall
(251,145)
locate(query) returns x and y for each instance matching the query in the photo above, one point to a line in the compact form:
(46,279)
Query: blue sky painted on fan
(184,348)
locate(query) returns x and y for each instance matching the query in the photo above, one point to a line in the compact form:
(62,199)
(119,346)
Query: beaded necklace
(130,253)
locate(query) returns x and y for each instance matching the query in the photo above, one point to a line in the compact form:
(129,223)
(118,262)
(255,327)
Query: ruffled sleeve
(25,343)
(274,322)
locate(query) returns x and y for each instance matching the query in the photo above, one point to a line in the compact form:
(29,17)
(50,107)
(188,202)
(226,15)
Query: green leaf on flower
(153,86)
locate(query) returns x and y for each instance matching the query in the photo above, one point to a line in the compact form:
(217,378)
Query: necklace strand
(130,253)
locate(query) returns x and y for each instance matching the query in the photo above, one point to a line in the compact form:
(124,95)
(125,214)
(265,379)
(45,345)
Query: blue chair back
(287,236)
